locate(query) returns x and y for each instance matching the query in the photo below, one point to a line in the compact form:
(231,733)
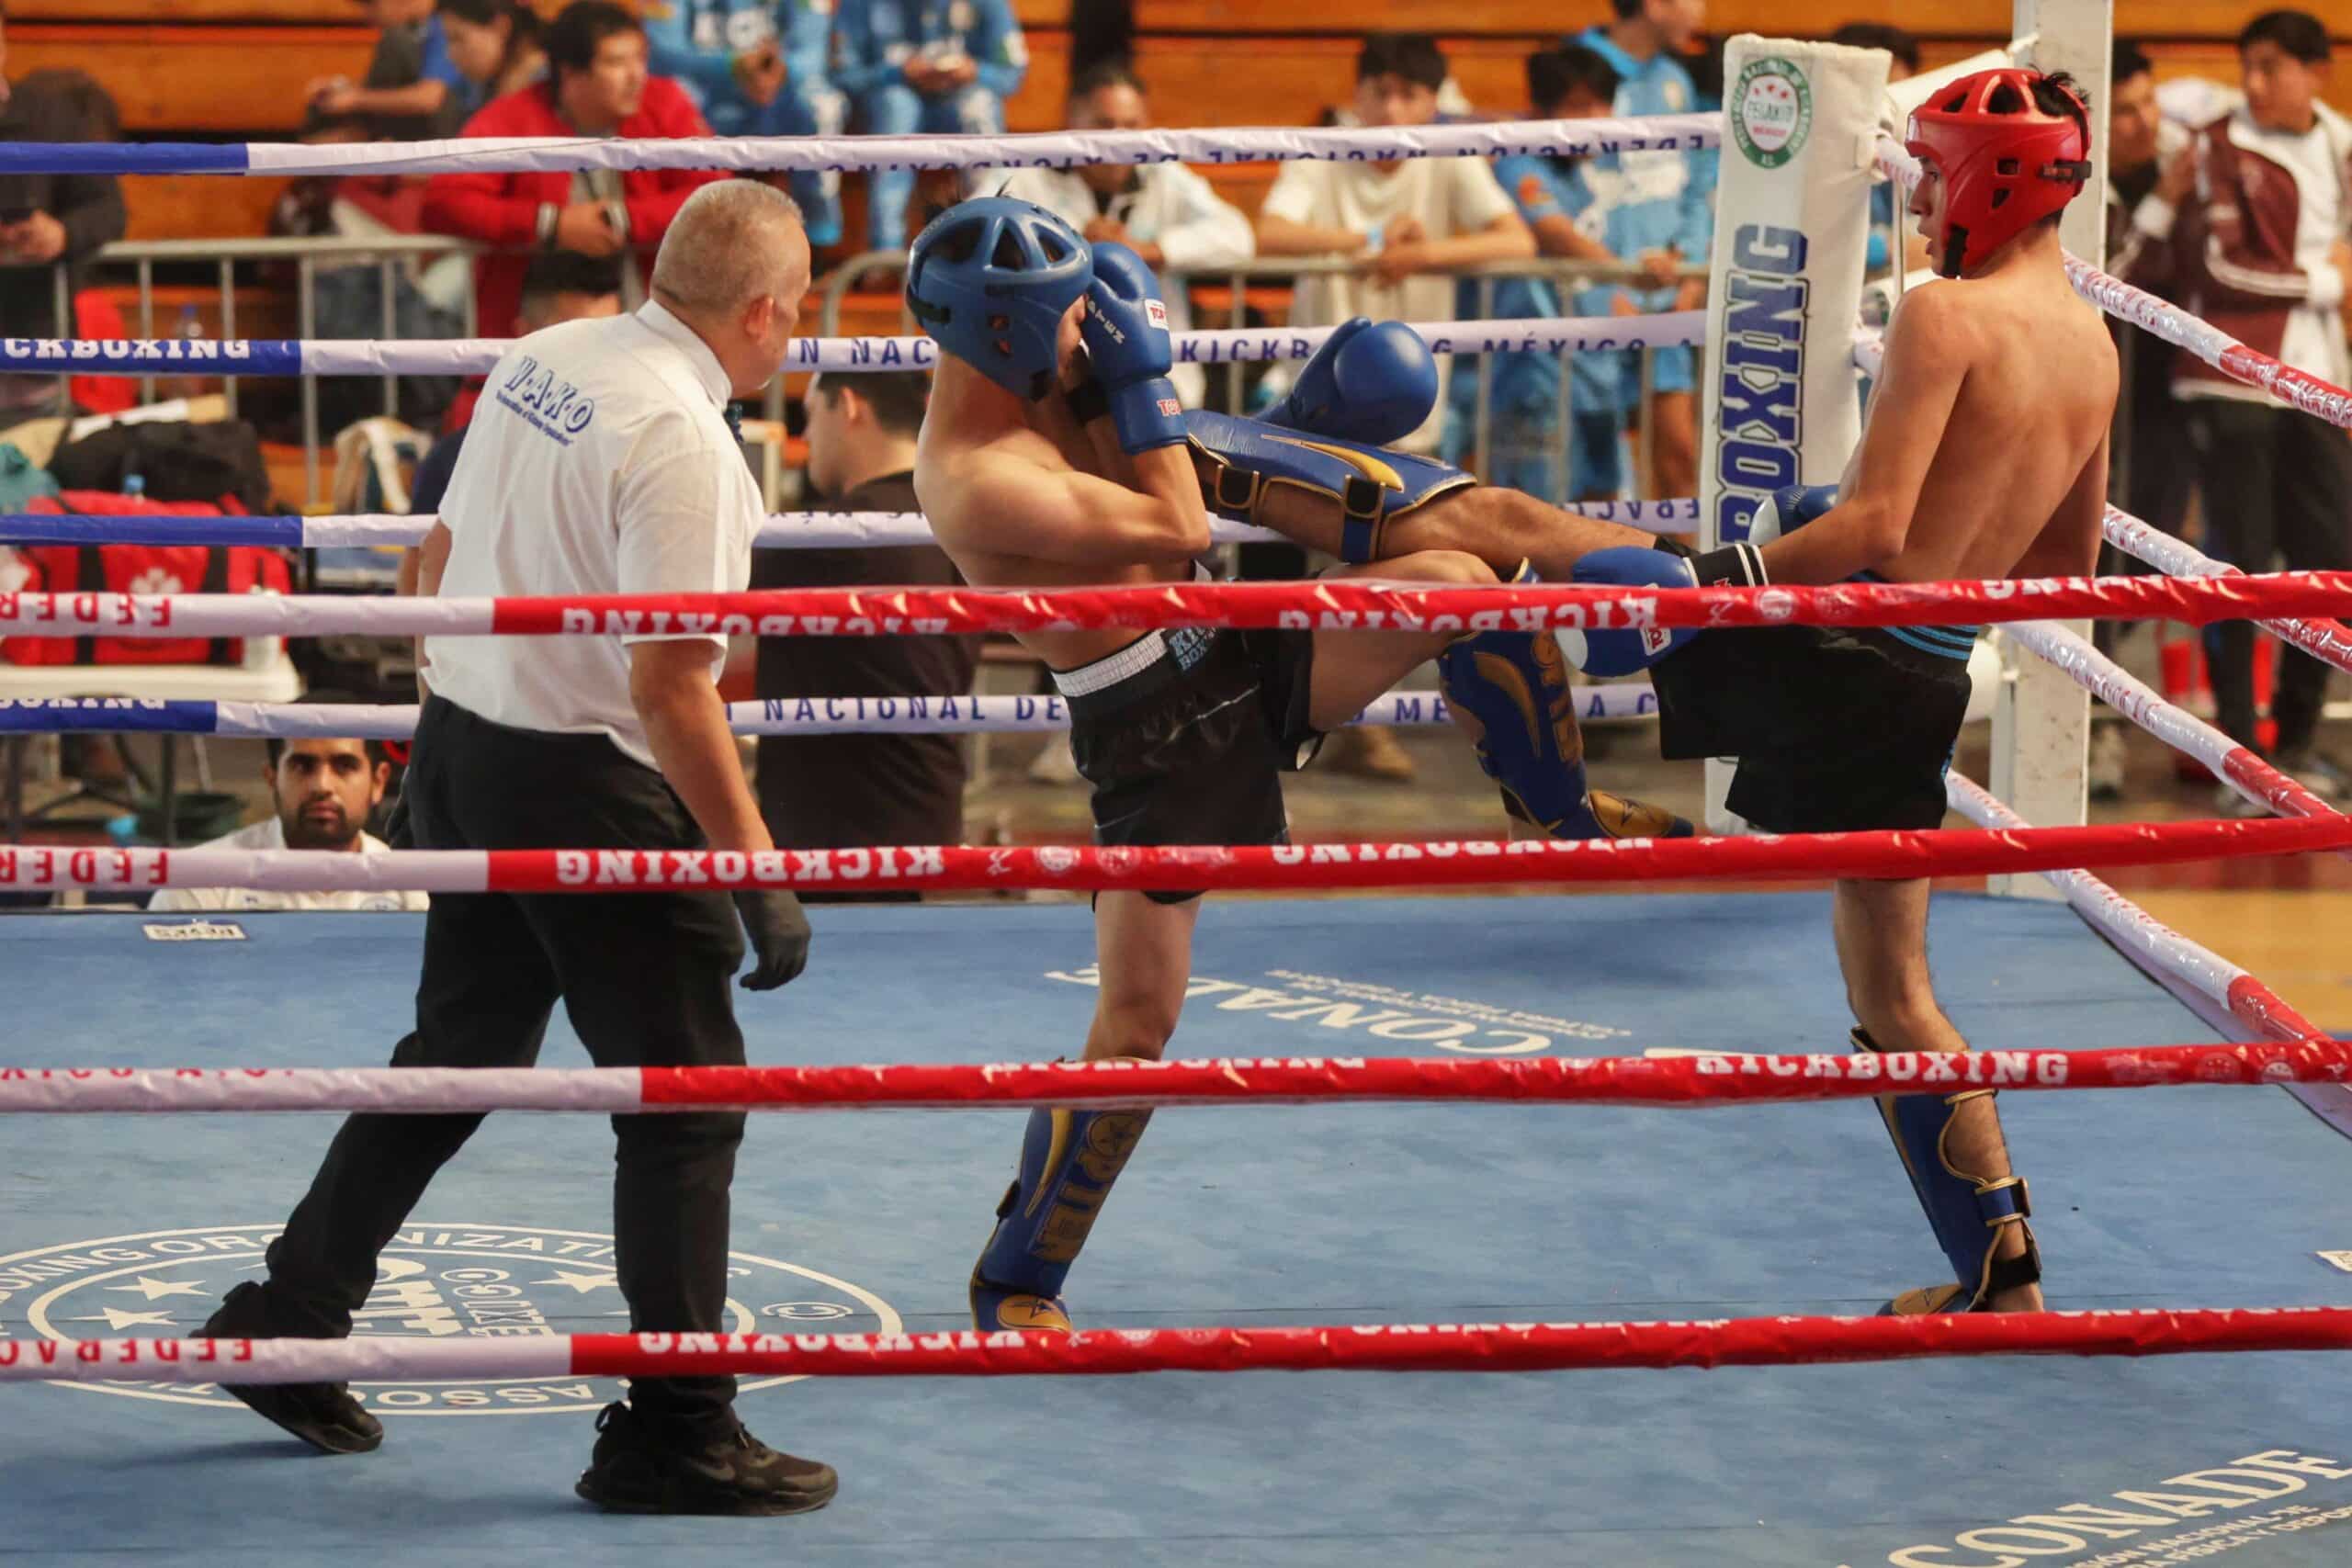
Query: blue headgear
(991,278)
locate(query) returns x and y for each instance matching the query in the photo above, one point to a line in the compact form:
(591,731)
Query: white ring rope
(1048,150)
(1624,703)
(474,356)
(783,530)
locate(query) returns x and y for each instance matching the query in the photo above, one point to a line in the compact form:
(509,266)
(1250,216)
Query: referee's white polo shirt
(598,461)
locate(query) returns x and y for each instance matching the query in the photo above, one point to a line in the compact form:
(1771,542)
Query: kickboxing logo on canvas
(1386,1013)
(433,1283)
(2182,1518)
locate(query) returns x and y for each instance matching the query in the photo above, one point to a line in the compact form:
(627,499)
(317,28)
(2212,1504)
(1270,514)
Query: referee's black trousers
(644,978)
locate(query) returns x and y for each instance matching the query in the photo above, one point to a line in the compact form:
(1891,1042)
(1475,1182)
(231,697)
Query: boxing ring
(1562,1138)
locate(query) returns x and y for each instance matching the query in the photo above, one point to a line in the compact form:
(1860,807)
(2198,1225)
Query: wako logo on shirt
(1771,111)
(545,401)
(433,1281)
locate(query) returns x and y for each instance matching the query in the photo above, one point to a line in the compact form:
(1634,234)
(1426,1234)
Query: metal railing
(389,253)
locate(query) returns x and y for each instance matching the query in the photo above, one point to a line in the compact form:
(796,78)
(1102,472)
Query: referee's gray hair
(720,252)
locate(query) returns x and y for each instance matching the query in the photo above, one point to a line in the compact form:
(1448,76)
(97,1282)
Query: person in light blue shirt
(759,68)
(1666,201)
(933,67)
(1526,449)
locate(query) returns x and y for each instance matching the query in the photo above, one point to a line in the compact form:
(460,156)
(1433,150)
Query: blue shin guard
(1967,1213)
(1068,1160)
(1514,688)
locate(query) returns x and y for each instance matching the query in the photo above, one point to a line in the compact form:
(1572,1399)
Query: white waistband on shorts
(1111,667)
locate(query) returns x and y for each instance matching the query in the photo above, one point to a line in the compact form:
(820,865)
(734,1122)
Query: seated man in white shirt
(320,790)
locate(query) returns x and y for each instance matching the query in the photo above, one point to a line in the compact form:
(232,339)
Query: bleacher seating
(1209,62)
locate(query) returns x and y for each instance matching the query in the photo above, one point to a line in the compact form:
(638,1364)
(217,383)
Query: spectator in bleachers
(833,791)
(321,791)
(1668,201)
(931,66)
(760,68)
(413,91)
(1407,222)
(1886,229)
(1527,450)
(49,218)
(1172,216)
(597,86)
(2257,244)
(495,46)
(556,288)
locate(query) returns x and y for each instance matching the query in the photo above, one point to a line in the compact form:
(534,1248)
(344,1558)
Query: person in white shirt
(1164,212)
(1407,220)
(321,790)
(600,461)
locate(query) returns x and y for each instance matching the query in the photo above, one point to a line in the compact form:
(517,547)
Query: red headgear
(2006,163)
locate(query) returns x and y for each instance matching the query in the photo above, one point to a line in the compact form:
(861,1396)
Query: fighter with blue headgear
(1054,452)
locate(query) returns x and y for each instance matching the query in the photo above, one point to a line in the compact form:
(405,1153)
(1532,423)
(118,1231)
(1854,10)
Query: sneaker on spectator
(2105,769)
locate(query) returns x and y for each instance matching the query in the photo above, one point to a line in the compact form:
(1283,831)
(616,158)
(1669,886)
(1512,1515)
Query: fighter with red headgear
(1985,455)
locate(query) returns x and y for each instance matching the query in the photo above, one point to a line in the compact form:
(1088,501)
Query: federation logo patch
(1771,111)
(1156,313)
(433,1281)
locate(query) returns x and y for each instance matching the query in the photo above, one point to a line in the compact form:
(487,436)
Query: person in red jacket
(597,86)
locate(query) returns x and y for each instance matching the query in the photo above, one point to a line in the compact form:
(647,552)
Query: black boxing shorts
(1836,728)
(1185,735)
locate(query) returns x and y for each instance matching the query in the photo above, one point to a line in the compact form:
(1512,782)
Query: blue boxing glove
(1786,511)
(1367,383)
(1125,330)
(1623,653)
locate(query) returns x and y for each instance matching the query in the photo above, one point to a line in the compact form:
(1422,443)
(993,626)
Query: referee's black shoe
(646,1466)
(322,1414)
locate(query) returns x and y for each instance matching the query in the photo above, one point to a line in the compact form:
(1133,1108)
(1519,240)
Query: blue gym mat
(1361,1213)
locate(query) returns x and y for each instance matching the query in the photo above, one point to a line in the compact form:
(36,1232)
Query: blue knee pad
(1967,1213)
(1068,1161)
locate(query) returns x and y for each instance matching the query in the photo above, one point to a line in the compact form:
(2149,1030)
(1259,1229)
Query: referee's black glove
(779,934)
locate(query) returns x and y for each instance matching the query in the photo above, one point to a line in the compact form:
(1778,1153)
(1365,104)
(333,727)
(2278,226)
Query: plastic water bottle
(135,486)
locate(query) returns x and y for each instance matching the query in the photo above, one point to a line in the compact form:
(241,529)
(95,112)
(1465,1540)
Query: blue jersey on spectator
(1530,383)
(877,38)
(1667,200)
(698,41)
(874,42)
(436,66)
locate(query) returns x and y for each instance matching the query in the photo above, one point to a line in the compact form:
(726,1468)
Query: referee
(600,462)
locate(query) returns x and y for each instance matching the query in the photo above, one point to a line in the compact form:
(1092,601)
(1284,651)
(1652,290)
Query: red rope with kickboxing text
(1394,1348)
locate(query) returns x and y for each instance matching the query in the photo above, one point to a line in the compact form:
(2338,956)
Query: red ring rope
(1336,605)
(1691,1079)
(1391,1348)
(1214,867)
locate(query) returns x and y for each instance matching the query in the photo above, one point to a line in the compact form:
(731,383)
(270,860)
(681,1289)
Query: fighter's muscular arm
(1927,361)
(1063,515)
